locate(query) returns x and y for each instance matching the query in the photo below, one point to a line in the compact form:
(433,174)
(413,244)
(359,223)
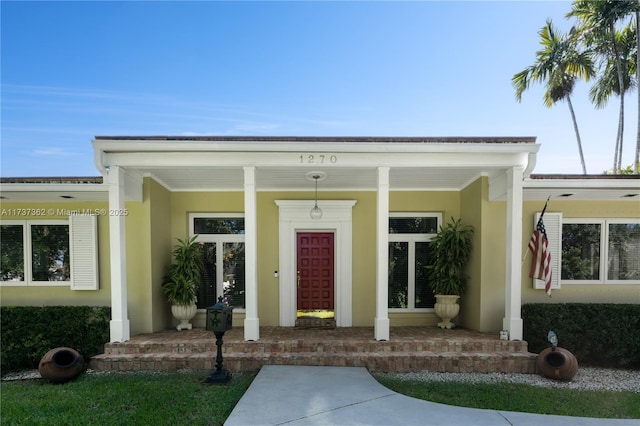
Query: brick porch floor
(408,349)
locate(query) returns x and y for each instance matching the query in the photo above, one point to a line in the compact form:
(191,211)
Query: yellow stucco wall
(153,225)
(363,258)
(183,203)
(53,296)
(494,263)
(363,279)
(268,258)
(364,241)
(471,213)
(138,265)
(482,305)
(160,237)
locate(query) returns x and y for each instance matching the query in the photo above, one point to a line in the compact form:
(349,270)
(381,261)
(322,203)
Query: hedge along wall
(598,334)
(29,332)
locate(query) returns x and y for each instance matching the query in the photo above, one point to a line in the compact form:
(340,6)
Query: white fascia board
(53,187)
(98,161)
(581,184)
(301,159)
(116,146)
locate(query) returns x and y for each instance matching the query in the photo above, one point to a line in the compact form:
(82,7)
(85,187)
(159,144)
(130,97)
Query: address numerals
(318,159)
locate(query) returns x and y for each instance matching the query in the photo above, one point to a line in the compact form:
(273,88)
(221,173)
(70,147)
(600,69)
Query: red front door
(315,270)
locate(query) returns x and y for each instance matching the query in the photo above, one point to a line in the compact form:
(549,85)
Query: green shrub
(29,332)
(598,334)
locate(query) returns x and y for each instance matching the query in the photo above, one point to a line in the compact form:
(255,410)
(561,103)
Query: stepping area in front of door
(315,318)
(316,313)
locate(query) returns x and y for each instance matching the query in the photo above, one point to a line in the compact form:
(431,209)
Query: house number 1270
(318,158)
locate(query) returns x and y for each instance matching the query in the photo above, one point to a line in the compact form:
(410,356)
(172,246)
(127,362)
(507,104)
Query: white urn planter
(447,308)
(184,313)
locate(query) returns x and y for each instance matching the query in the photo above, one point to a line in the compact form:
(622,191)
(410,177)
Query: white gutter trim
(531,164)
(115,146)
(582,183)
(53,187)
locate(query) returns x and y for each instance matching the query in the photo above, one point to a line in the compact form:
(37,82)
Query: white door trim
(336,218)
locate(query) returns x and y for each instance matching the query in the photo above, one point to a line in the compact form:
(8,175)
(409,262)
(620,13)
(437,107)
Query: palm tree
(607,82)
(559,64)
(598,19)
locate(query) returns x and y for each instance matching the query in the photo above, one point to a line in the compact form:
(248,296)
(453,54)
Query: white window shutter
(553,226)
(83,238)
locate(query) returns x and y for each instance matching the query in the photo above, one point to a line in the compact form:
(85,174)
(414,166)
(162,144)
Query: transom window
(600,251)
(409,254)
(218,225)
(222,238)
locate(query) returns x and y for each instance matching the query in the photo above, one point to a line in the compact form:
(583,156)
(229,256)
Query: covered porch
(253,166)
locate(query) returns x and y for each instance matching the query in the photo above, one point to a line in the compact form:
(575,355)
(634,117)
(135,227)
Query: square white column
(120,330)
(381,326)
(512,320)
(251,322)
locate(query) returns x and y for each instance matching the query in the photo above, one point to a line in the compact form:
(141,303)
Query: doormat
(315,322)
(318,313)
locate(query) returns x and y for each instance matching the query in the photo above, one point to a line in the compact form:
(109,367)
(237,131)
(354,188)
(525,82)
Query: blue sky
(74,70)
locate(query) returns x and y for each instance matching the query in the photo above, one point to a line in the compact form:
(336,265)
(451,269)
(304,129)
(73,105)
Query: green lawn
(521,397)
(180,398)
(122,398)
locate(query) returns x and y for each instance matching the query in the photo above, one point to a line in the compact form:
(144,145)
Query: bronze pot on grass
(559,364)
(60,365)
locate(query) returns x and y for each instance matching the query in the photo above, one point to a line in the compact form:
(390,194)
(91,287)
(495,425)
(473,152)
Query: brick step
(319,347)
(400,361)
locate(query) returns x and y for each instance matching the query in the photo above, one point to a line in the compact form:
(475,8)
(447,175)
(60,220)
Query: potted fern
(181,283)
(451,250)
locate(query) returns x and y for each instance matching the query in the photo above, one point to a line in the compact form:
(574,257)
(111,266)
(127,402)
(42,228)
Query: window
(222,238)
(409,254)
(12,252)
(53,252)
(600,251)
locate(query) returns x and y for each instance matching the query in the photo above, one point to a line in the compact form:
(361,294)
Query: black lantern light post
(219,318)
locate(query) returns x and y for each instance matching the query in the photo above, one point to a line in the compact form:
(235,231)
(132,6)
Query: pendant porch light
(316,212)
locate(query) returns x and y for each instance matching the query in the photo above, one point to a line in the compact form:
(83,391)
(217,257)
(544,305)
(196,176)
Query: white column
(251,322)
(381,328)
(512,320)
(119,325)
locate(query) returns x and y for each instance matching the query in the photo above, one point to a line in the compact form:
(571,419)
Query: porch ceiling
(281,163)
(294,179)
(538,187)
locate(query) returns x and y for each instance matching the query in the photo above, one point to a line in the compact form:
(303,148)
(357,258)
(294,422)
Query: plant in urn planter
(181,284)
(451,250)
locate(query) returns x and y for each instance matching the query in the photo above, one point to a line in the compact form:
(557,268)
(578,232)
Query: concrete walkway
(299,395)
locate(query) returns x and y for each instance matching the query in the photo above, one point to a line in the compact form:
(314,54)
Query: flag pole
(526,253)
(545,206)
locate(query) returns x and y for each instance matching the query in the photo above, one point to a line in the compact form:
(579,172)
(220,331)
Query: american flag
(541,262)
